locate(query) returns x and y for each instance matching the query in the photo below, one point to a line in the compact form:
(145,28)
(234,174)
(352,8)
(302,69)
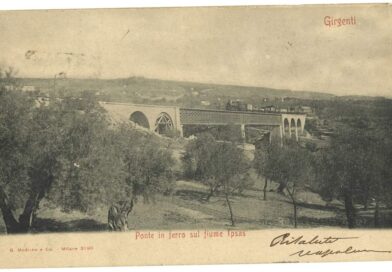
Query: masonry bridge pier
(163,119)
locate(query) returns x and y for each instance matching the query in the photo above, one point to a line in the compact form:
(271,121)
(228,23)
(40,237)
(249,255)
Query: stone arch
(293,127)
(299,125)
(286,127)
(140,118)
(163,123)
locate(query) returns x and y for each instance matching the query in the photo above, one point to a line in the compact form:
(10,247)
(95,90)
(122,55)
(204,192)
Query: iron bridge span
(162,118)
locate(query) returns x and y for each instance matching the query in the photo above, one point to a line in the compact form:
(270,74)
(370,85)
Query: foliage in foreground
(67,152)
(220,165)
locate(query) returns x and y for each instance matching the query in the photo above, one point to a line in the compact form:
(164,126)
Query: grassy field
(187,209)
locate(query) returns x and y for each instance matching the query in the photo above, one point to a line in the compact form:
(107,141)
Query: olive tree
(292,167)
(227,165)
(197,159)
(266,164)
(342,170)
(148,165)
(52,151)
(220,165)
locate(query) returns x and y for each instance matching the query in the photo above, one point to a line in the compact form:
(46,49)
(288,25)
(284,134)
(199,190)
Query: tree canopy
(67,152)
(218,164)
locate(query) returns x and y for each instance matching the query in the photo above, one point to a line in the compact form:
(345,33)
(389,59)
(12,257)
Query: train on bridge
(239,105)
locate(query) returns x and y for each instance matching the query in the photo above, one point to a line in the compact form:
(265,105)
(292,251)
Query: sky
(276,47)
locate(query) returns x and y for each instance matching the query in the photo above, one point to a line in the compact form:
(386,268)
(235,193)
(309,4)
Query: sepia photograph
(197,123)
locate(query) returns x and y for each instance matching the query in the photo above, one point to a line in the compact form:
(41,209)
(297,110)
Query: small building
(235,105)
(42,101)
(270,108)
(305,109)
(9,87)
(28,88)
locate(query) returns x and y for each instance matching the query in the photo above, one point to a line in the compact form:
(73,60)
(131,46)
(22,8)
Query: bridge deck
(223,117)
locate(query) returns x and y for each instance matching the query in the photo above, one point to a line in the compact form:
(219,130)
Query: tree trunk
(212,192)
(376,215)
(265,188)
(230,209)
(12,226)
(295,214)
(366,199)
(291,194)
(350,209)
(281,187)
(26,219)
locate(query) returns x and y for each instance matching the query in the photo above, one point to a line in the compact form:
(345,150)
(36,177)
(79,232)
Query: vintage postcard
(202,135)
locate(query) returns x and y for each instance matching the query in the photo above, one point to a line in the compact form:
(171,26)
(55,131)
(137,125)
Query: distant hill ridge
(151,86)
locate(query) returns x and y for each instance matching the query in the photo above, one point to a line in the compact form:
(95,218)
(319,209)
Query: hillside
(145,90)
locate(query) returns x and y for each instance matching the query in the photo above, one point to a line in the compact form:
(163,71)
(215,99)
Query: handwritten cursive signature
(324,253)
(287,239)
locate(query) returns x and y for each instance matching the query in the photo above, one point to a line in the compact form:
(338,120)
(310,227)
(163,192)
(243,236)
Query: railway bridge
(161,119)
